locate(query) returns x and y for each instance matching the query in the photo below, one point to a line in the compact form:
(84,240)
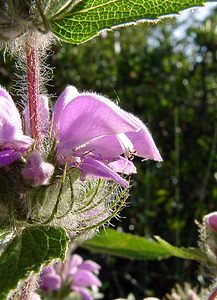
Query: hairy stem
(32,60)
(213,294)
(25,289)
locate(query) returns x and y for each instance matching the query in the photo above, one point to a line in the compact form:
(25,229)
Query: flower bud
(50,280)
(192,295)
(35,297)
(73,275)
(210,221)
(209,237)
(37,172)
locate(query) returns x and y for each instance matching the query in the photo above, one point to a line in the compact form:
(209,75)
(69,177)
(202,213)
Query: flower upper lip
(93,123)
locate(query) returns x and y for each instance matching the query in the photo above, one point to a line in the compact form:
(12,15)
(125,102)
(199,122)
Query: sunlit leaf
(132,246)
(88,17)
(27,252)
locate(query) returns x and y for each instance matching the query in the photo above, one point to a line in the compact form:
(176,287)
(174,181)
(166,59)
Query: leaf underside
(27,252)
(130,246)
(89,17)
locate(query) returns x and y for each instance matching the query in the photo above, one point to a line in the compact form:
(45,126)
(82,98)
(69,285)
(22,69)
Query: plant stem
(213,294)
(32,60)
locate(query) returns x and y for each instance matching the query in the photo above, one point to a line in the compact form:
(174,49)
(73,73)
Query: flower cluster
(74,275)
(85,152)
(91,133)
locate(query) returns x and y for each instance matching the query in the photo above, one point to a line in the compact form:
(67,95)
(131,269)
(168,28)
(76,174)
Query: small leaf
(5,237)
(131,246)
(27,252)
(88,17)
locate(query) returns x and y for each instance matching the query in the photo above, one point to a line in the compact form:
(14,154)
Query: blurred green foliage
(171,85)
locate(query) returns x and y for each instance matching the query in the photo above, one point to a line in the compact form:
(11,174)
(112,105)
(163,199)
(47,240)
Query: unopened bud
(35,297)
(209,236)
(192,295)
(210,221)
(37,172)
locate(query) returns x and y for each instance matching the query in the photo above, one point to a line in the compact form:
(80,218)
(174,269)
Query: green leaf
(88,17)
(5,237)
(54,7)
(186,253)
(131,246)
(27,252)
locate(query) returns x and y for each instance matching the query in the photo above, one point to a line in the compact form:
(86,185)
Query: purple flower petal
(86,279)
(7,157)
(210,221)
(90,116)
(85,293)
(10,121)
(92,134)
(11,135)
(95,168)
(123,165)
(44,117)
(142,140)
(76,260)
(50,280)
(101,147)
(144,144)
(44,114)
(90,265)
(37,172)
(65,97)
(71,265)
(46,270)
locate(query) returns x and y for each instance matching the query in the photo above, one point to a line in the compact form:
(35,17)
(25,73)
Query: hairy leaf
(27,252)
(88,17)
(131,246)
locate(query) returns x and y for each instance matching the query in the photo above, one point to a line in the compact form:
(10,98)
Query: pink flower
(13,143)
(91,132)
(78,274)
(50,280)
(98,137)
